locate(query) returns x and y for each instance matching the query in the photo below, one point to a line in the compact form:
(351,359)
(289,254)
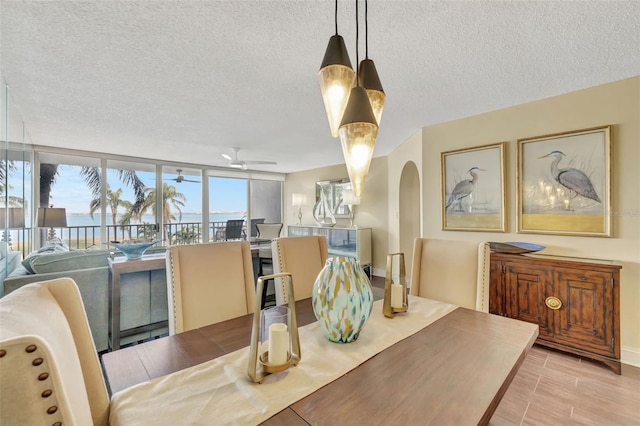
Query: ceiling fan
(240,164)
(181,178)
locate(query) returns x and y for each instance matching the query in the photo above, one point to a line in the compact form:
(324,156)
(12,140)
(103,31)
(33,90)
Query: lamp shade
(358,133)
(12,217)
(336,79)
(49,217)
(298,200)
(368,77)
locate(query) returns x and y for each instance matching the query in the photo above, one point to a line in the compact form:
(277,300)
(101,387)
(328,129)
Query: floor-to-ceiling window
(227,201)
(182,205)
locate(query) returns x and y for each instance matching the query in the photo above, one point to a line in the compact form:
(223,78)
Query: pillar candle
(396,295)
(278,343)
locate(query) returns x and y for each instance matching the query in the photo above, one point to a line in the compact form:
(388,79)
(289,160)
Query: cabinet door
(496,289)
(585,319)
(526,286)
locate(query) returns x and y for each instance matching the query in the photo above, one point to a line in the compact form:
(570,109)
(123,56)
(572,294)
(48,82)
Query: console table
(119,267)
(352,242)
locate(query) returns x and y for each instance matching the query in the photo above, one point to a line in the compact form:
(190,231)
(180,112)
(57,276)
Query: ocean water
(75,219)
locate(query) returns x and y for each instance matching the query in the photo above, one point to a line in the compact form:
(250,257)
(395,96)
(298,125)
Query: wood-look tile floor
(554,388)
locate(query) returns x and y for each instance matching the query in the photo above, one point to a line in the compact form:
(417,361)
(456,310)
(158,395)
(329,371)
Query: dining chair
(267,231)
(452,271)
(49,368)
(208,283)
(254,226)
(232,230)
(304,258)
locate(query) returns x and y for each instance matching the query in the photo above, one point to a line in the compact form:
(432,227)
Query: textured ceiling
(187,80)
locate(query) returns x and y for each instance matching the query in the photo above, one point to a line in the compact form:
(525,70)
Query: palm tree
(113,202)
(171,198)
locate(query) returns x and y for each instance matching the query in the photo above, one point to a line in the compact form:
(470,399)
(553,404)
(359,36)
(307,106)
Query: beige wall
(617,104)
(371,213)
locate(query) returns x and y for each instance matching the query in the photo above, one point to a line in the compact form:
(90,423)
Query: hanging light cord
(336,17)
(366,30)
(357,43)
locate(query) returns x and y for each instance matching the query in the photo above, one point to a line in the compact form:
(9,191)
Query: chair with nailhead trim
(452,271)
(49,368)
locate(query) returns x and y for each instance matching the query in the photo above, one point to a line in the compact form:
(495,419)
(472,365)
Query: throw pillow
(69,261)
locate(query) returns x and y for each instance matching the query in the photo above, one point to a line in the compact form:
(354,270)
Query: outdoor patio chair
(452,271)
(232,230)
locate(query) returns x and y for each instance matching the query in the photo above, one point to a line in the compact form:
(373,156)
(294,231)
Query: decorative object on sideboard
(342,299)
(275,343)
(133,249)
(322,213)
(10,218)
(395,294)
(299,200)
(50,217)
(514,247)
(350,200)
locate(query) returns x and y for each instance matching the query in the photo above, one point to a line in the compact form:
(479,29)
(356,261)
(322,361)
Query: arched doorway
(409,212)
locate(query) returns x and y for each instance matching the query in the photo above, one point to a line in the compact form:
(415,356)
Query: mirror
(332,190)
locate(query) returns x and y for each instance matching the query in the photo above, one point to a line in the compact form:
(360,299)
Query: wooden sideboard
(575,302)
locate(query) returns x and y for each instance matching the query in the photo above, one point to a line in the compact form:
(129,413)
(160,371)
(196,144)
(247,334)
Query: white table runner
(220,392)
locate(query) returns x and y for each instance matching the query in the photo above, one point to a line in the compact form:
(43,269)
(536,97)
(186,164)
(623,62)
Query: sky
(226,194)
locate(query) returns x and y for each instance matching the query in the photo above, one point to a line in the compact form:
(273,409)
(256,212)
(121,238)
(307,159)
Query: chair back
(208,283)
(254,229)
(233,230)
(49,368)
(269,231)
(452,271)
(304,258)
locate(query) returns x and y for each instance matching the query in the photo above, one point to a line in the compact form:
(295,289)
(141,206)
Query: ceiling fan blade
(189,180)
(260,162)
(226,157)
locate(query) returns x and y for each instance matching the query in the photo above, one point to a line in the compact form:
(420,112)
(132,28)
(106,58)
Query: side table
(119,266)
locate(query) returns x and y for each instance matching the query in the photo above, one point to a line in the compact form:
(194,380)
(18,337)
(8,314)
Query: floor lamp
(49,217)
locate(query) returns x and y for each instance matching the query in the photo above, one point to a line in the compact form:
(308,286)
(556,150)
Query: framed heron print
(473,196)
(564,183)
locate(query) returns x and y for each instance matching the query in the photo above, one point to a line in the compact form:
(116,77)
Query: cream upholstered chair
(49,368)
(452,271)
(208,283)
(303,258)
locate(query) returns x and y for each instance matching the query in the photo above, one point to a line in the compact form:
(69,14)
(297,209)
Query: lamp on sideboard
(49,217)
(10,218)
(299,200)
(349,198)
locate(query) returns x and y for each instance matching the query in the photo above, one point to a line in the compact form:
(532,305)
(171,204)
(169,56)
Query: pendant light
(358,132)
(368,75)
(336,78)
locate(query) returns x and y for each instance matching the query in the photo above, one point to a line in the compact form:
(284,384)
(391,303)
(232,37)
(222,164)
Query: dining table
(455,370)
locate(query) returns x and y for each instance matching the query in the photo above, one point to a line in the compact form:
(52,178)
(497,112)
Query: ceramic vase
(342,299)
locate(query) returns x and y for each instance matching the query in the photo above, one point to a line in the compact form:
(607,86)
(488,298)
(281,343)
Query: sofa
(143,294)
(9,261)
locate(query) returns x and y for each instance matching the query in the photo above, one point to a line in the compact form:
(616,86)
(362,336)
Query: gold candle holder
(259,361)
(389,287)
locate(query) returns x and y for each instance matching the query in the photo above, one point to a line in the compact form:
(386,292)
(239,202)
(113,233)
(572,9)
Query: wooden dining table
(454,371)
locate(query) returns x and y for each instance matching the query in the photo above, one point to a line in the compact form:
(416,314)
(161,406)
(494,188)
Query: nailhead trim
(31,348)
(52,409)
(36,362)
(2,353)
(43,376)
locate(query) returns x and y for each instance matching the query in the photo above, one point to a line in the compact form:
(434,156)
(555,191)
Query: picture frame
(564,183)
(473,189)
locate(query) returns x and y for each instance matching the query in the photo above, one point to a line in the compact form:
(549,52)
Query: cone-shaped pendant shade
(368,77)
(336,79)
(358,133)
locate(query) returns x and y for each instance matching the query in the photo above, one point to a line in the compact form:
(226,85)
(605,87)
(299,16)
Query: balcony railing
(82,237)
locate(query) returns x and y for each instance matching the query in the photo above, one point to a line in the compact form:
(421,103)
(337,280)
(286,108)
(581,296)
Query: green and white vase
(342,299)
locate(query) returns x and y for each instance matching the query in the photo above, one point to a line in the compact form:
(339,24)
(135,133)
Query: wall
(617,104)
(371,213)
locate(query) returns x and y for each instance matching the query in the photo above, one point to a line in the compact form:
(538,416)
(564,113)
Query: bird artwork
(463,189)
(576,181)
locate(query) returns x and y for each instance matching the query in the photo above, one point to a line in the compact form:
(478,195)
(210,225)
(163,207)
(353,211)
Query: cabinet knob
(553,302)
